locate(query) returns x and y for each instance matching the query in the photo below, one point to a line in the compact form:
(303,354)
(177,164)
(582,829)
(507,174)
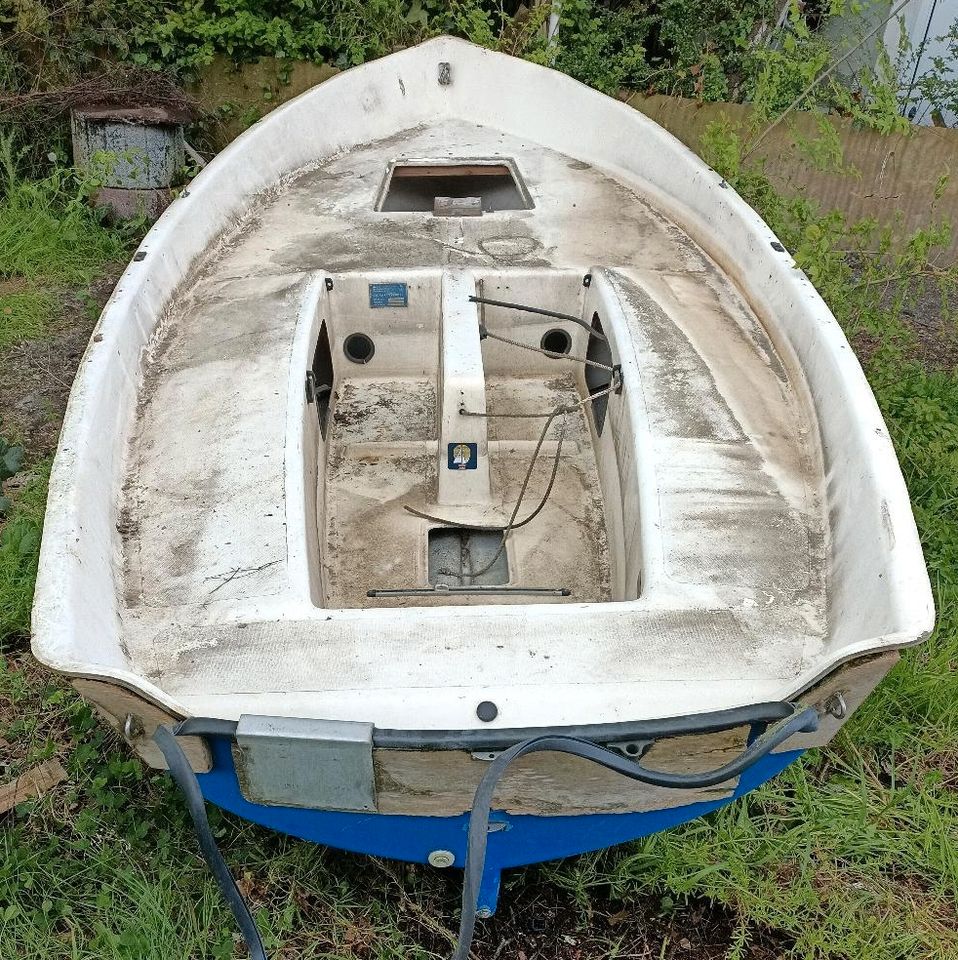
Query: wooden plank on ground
(35,782)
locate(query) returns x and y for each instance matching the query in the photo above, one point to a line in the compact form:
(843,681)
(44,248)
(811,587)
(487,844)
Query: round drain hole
(359,348)
(556,341)
(441,858)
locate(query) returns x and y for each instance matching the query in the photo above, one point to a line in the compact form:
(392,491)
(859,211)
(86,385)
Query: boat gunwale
(485,738)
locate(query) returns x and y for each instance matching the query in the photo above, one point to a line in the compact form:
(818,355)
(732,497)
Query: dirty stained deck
(737,517)
(382,458)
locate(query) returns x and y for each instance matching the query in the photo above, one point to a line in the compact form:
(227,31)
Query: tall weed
(48,229)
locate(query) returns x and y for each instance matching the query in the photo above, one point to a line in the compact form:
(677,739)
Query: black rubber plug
(487,711)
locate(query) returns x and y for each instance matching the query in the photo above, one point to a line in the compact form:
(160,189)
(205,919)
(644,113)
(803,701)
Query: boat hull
(521,839)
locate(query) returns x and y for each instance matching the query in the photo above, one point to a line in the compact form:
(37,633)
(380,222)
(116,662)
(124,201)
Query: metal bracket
(132,728)
(835,706)
(617,378)
(317,764)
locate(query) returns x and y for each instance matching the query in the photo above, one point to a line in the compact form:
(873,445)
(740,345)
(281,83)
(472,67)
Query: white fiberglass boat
(454,406)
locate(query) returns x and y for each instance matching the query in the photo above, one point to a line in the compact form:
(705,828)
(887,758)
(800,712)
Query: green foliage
(708,49)
(24,314)
(11,459)
(48,229)
(795,69)
(343,32)
(937,84)
(19,553)
(703,48)
(780,72)
(601,47)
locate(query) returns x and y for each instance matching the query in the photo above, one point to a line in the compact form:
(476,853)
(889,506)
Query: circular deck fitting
(359,348)
(487,711)
(556,340)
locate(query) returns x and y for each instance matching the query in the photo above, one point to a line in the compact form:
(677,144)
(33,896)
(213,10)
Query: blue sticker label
(388,295)
(463,456)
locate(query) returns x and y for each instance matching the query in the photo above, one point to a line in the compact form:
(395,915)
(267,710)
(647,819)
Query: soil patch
(540,921)
(36,375)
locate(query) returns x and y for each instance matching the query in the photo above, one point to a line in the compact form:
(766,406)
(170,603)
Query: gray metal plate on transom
(318,764)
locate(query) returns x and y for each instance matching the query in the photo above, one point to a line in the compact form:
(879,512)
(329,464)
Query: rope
(558,411)
(510,526)
(463,412)
(182,773)
(483,332)
(541,312)
(569,408)
(495,526)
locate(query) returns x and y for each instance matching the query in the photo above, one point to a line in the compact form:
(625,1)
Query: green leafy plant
(707,49)
(937,84)
(48,228)
(11,459)
(20,550)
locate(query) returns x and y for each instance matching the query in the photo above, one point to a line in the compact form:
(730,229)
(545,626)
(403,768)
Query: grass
(19,551)
(852,853)
(25,315)
(51,241)
(48,229)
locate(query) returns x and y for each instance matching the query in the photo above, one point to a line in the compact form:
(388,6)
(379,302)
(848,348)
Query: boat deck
(382,458)
(734,530)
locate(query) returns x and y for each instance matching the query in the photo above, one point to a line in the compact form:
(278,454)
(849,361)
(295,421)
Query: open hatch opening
(598,379)
(322,377)
(455,553)
(416,187)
